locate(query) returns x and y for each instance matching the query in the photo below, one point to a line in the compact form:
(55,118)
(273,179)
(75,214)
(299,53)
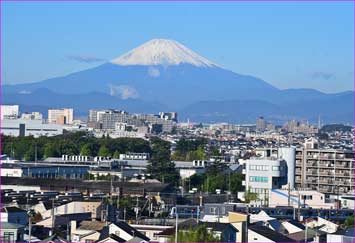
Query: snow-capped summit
(162,52)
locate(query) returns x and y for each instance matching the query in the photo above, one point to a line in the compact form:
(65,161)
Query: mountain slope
(175,85)
(162,52)
(164,74)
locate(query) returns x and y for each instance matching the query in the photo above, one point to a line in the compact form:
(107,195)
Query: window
(258,179)
(307,197)
(213,210)
(223,210)
(259,167)
(276,168)
(9,237)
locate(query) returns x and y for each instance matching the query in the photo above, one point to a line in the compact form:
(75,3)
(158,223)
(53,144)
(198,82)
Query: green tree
(50,150)
(103,151)
(160,165)
(197,234)
(190,149)
(29,155)
(68,147)
(250,196)
(349,222)
(116,155)
(86,150)
(236,180)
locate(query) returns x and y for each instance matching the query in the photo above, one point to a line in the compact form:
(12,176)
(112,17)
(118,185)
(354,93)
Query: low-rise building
(14,215)
(24,127)
(11,232)
(299,198)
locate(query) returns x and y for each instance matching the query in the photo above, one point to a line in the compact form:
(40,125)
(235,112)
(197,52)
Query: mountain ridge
(164,74)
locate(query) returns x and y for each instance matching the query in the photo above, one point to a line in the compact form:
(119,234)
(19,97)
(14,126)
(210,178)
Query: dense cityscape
(177,121)
(121,177)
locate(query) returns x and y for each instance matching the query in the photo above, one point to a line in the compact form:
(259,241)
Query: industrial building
(25,127)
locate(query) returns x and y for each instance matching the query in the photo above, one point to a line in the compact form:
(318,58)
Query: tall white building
(9,112)
(263,175)
(61,116)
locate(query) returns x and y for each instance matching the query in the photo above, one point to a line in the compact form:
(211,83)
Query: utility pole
(198,214)
(137,211)
(107,208)
(176,224)
(29,226)
(53,217)
(289,196)
(118,203)
(68,232)
(299,204)
(150,205)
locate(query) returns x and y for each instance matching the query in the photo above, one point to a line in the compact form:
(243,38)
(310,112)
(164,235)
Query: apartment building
(108,120)
(61,116)
(325,170)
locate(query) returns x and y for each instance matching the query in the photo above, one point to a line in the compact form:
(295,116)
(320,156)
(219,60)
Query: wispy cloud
(86,59)
(123,91)
(322,75)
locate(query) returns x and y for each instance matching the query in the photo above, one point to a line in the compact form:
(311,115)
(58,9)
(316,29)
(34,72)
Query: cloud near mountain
(165,73)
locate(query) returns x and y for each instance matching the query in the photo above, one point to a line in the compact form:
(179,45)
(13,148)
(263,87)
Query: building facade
(23,127)
(61,116)
(263,175)
(9,112)
(325,170)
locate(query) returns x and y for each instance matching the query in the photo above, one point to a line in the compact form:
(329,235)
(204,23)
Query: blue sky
(289,44)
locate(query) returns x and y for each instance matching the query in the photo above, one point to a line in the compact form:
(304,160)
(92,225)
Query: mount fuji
(164,74)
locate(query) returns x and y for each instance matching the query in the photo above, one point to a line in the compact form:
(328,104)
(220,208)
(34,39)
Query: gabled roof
(220,227)
(116,238)
(311,233)
(105,234)
(296,223)
(54,238)
(130,230)
(270,234)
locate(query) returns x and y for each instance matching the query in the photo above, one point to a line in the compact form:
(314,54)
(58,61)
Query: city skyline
(309,48)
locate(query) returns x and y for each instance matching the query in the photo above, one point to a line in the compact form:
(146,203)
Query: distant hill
(165,75)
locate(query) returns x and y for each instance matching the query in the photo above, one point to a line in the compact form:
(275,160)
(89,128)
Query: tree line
(83,143)
(160,165)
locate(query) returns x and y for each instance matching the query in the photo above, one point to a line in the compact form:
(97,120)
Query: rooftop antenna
(319,125)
